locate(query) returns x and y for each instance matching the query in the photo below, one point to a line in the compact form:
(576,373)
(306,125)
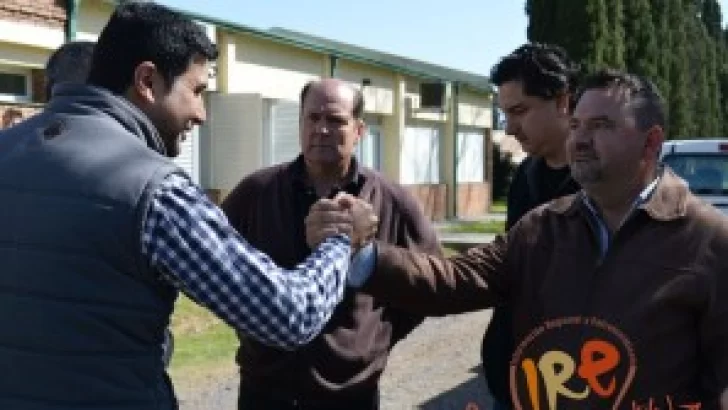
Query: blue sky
(466,34)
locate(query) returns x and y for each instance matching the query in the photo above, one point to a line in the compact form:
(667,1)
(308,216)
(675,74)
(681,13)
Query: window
(706,174)
(283,131)
(420,155)
(367,151)
(470,157)
(14,85)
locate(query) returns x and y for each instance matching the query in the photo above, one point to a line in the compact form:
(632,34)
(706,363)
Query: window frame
(17,98)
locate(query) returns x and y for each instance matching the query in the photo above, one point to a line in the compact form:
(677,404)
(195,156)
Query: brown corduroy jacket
(647,321)
(345,362)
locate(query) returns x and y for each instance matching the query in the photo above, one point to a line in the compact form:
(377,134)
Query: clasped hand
(345,214)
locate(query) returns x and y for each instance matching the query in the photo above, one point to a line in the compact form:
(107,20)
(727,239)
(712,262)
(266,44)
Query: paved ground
(435,368)
(464,240)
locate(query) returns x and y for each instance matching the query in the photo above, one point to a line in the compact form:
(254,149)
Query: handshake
(345,214)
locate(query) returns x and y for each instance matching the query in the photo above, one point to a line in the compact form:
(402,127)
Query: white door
(283,130)
(189,155)
(420,155)
(367,151)
(470,156)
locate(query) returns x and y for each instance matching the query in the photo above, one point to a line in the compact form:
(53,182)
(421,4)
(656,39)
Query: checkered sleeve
(189,240)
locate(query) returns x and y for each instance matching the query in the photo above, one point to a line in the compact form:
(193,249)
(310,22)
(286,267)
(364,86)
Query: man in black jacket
(535,84)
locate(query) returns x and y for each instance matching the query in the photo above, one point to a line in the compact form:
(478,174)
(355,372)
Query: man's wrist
(362,265)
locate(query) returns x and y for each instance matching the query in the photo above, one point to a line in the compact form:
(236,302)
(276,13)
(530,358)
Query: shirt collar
(642,198)
(665,201)
(352,182)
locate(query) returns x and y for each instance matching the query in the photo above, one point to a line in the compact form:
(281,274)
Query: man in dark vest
(70,63)
(100,230)
(535,86)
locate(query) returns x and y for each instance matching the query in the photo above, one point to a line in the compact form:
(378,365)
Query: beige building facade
(429,127)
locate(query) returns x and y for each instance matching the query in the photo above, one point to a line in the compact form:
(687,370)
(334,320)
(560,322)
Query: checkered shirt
(189,240)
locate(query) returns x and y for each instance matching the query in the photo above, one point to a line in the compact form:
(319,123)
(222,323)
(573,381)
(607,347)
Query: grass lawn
(448,251)
(493,227)
(498,207)
(203,344)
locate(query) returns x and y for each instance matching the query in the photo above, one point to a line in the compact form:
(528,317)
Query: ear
(654,138)
(145,82)
(361,129)
(562,103)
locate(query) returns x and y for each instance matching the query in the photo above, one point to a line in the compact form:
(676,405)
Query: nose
(512,126)
(577,133)
(579,139)
(200,115)
(322,127)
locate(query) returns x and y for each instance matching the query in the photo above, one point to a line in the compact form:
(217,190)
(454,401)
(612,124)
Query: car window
(706,174)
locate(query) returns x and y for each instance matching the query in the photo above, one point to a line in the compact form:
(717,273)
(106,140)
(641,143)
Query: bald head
(336,89)
(330,125)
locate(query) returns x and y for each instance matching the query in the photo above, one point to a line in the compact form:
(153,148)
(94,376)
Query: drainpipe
(333,66)
(71,19)
(455,100)
(494,112)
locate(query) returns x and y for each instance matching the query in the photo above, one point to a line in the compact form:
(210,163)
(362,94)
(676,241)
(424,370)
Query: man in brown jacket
(619,292)
(340,369)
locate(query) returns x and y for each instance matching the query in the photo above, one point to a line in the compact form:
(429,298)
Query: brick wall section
(473,199)
(49,13)
(432,198)
(37,86)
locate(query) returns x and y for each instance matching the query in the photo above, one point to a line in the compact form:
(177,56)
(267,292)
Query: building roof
(434,71)
(350,52)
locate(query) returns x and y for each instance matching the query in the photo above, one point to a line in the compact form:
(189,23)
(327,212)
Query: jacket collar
(85,99)
(667,202)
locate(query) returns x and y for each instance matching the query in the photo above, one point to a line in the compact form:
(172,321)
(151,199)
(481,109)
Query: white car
(703,163)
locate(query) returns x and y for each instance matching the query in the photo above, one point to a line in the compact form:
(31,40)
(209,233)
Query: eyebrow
(513,106)
(596,118)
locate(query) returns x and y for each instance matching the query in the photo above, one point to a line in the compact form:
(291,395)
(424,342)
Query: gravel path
(434,368)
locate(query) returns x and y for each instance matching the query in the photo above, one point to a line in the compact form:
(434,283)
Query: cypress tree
(615,35)
(593,47)
(660,10)
(714,92)
(642,56)
(681,125)
(711,16)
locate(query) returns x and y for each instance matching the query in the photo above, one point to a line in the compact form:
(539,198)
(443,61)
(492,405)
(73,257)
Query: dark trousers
(497,351)
(258,400)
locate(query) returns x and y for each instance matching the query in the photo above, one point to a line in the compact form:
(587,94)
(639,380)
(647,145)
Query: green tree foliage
(679,44)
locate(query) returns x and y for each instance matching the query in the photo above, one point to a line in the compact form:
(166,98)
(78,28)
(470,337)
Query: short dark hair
(357,112)
(545,70)
(645,99)
(138,32)
(70,63)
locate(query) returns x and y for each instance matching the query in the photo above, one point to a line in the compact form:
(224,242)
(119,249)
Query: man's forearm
(431,285)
